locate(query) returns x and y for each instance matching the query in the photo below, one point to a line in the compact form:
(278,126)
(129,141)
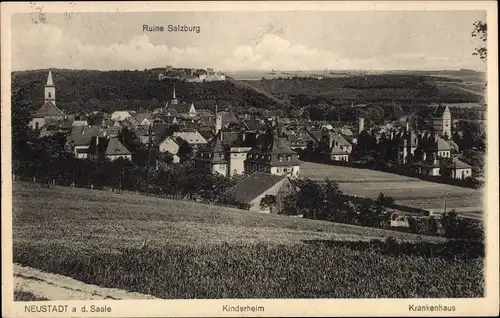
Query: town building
(458,169)
(335,146)
(49,111)
(108,148)
(273,155)
(257,186)
(120,115)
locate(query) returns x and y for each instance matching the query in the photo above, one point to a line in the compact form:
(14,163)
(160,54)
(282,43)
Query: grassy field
(405,190)
(199,251)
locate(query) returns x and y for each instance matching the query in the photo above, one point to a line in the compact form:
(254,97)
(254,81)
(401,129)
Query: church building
(441,120)
(48,112)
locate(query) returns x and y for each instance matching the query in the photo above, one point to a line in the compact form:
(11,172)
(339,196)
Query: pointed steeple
(49,80)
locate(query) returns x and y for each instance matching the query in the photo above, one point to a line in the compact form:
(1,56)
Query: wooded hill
(140,90)
(114,90)
(401,88)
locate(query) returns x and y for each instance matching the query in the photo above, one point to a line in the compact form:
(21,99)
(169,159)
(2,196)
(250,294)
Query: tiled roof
(340,140)
(442,145)
(253,186)
(180,108)
(458,164)
(270,143)
(82,135)
(48,109)
(115,147)
(191,137)
(254,124)
(316,134)
(229,117)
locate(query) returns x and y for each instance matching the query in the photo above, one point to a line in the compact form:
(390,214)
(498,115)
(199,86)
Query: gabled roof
(254,124)
(115,147)
(316,133)
(206,133)
(253,186)
(82,135)
(48,109)
(271,144)
(229,117)
(180,108)
(458,164)
(141,116)
(340,140)
(191,137)
(442,145)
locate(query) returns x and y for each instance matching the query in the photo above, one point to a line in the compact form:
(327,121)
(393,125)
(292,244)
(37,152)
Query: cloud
(46,46)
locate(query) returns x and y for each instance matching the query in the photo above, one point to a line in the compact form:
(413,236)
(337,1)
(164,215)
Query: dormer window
(280,158)
(289,158)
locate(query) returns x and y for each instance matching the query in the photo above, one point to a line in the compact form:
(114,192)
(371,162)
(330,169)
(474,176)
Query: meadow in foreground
(199,251)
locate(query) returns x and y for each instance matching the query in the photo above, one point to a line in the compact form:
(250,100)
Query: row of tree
(325,201)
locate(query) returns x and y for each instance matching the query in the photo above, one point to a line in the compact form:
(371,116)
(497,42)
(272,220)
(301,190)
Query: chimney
(361,124)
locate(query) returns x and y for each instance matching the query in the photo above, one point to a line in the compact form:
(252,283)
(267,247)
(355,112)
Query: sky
(232,41)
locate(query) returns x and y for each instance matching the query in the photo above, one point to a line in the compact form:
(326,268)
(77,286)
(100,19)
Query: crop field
(200,251)
(407,191)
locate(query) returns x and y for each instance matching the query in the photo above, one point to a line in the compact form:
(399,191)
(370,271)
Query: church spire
(49,80)
(50,90)
(174,99)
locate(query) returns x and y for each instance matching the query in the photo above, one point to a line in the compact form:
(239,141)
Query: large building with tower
(49,111)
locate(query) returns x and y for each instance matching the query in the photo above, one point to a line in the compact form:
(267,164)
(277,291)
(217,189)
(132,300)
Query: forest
(114,90)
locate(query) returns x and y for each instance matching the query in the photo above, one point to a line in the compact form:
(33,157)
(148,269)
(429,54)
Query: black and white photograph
(249,154)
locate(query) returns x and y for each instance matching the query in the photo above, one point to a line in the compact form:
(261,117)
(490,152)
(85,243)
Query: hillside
(182,250)
(403,88)
(113,90)
(126,220)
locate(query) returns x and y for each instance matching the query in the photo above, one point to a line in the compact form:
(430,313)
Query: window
(280,158)
(278,170)
(221,155)
(50,95)
(289,158)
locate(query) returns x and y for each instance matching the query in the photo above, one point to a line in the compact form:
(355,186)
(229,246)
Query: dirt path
(57,287)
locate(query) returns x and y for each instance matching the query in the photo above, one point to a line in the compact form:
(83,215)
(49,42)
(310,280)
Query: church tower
(174,100)
(50,90)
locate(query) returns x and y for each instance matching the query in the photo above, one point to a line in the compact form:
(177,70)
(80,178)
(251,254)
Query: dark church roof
(48,109)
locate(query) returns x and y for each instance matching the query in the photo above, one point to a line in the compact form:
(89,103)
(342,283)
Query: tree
(449,222)
(480,31)
(384,200)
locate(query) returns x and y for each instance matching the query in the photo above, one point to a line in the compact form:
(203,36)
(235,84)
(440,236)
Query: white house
(120,115)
